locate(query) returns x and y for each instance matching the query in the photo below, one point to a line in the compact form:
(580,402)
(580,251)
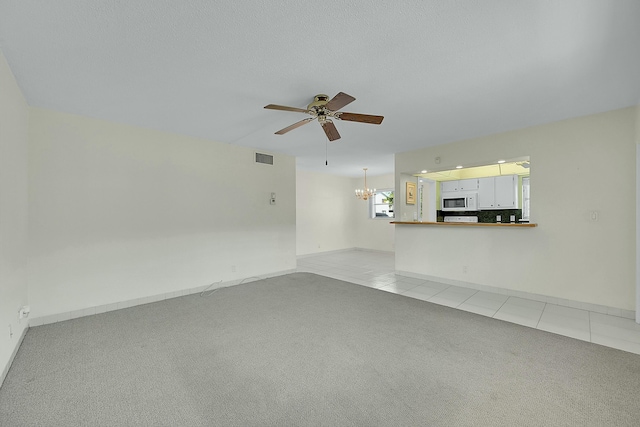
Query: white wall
(14,121)
(119,213)
(375,234)
(325,217)
(330,217)
(577,166)
(404,211)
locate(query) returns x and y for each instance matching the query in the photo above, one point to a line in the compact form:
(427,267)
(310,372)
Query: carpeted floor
(303,349)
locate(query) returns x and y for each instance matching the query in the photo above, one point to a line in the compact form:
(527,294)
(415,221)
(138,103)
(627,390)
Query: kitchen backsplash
(485,216)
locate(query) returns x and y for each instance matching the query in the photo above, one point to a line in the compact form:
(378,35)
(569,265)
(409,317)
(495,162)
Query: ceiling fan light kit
(324,109)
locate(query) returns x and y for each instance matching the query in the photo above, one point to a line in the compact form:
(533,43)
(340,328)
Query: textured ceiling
(439,71)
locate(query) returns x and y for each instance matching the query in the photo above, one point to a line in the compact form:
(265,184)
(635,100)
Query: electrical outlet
(233,268)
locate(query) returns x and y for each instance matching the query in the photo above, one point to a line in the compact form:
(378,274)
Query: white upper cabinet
(486,193)
(449,186)
(468,184)
(498,192)
(507,192)
(460,185)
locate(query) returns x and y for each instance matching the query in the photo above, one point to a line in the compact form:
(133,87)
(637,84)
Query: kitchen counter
(469,224)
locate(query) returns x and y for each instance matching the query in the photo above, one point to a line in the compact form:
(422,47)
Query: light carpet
(307,350)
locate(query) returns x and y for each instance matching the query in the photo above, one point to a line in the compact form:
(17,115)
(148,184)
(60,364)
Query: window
(381,204)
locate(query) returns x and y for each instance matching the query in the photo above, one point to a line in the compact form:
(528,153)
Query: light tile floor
(377,270)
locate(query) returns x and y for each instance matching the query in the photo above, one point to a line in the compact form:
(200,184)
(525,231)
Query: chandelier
(366,192)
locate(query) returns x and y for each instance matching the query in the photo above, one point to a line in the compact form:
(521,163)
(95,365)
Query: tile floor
(377,270)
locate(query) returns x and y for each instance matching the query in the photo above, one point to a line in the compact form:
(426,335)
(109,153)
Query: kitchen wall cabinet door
(486,193)
(468,184)
(446,186)
(506,192)
(498,192)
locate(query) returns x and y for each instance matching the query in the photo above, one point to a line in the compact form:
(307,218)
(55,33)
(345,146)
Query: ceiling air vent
(264,158)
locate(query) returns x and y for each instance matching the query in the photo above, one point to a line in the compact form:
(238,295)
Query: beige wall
(578,166)
(325,218)
(120,213)
(14,120)
(330,218)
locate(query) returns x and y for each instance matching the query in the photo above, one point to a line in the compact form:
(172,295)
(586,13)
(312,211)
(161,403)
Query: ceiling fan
(324,110)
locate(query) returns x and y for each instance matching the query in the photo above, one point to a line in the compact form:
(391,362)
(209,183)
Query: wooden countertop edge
(467,224)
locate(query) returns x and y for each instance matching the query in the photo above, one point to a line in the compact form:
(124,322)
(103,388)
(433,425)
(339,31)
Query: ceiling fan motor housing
(318,101)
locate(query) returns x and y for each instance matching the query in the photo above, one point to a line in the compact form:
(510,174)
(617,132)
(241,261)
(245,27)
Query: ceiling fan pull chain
(326,150)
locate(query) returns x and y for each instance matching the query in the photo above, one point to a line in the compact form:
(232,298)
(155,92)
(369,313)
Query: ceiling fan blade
(330,130)
(294,126)
(339,101)
(284,108)
(362,118)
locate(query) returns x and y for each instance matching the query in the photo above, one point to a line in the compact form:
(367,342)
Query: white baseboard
(60,317)
(5,371)
(603,309)
(337,251)
(379,251)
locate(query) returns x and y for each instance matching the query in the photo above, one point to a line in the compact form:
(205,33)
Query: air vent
(264,158)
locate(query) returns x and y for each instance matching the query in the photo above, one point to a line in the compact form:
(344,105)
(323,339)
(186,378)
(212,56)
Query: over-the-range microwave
(460,202)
